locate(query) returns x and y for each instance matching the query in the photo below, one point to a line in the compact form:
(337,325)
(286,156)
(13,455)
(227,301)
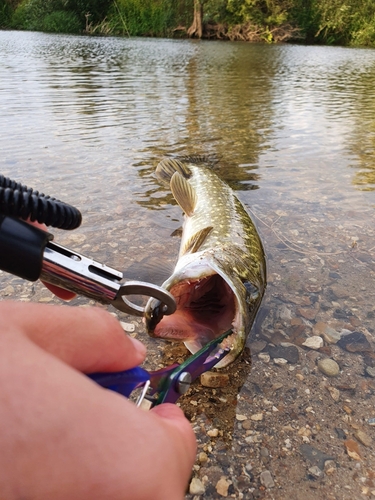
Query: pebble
(196,487)
(352,449)
(316,472)
(314,342)
(222,486)
(241,418)
(257,346)
(265,357)
(314,455)
(280,361)
(363,438)
(330,335)
(355,342)
(371,421)
(329,367)
(370,371)
(307,313)
(290,353)
(266,479)
(203,457)
(214,379)
(335,393)
(128,327)
(213,432)
(257,417)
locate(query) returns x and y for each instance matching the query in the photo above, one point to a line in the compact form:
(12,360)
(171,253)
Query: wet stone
(363,438)
(340,433)
(315,472)
(370,370)
(329,367)
(352,449)
(266,479)
(354,342)
(314,342)
(289,353)
(314,455)
(257,346)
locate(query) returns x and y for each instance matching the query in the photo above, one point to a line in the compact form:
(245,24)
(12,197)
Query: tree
(196,29)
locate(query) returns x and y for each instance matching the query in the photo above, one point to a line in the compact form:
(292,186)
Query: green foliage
(142,17)
(61,21)
(347,22)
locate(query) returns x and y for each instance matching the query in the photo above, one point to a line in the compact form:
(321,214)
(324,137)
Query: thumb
(175,419)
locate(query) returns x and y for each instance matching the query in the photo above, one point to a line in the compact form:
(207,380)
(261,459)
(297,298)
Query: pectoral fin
(196,241)
(184,193)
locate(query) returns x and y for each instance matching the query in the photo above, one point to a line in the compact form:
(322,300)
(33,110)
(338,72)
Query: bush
(61,22)
(142,17)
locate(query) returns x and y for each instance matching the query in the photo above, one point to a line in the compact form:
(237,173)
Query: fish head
(211,299)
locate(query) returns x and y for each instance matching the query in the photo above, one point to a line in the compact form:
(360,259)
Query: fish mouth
(206,308)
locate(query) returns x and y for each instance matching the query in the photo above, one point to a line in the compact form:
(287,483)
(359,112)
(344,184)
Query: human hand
(64,437)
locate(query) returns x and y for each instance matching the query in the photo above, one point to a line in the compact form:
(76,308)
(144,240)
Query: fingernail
(138,346)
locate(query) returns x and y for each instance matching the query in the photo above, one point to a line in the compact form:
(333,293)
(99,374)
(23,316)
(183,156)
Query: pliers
(28,252)
(167,384)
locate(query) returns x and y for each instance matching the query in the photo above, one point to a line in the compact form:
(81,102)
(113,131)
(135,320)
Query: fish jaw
(208,302)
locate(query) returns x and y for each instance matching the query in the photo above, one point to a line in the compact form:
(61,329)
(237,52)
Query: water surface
(87,120)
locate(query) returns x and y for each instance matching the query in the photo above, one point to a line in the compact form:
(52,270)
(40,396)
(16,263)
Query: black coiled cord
(20,201)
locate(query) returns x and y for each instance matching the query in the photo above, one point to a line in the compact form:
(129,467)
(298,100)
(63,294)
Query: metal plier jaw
(28,252)
(167,384)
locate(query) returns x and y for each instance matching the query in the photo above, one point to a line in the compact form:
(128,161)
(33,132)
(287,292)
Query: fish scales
(221,264)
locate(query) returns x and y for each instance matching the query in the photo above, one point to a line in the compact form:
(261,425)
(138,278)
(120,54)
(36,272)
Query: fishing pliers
(167,384)
(28,252)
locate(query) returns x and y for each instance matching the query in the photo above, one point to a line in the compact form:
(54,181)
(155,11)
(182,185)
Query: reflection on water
(87,120)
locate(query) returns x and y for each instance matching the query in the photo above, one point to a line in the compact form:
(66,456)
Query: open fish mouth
(206,308)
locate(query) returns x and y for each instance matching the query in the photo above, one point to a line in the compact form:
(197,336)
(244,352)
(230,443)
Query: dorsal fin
(166,168)
(184,193)
(195,242)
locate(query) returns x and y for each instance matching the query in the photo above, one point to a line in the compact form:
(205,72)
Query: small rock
(290,353)
(352,449)
(241,418)
(363,438)
(355,342)
(329,367)
(222,486)
(213,432)
(196,487)
(257,346)
(314,455)
(266,479)
(280,361)
(307,313)
(330,335)
(339,292)
(284,313)
(371,421)
(257,417)
(128,327)
(370,371)
(214,379)
(330,467)
(335,393)
(202,457)
(314,342)
(264,356)
(316,472)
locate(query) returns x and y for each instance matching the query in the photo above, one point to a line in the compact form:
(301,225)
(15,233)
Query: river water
(87,119)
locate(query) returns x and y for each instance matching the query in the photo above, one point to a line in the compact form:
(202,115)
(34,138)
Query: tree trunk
(196,29)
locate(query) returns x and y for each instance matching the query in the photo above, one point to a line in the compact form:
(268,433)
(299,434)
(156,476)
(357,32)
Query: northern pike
(220,276)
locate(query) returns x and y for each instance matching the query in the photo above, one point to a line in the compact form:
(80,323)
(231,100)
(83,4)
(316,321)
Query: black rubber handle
(21,248)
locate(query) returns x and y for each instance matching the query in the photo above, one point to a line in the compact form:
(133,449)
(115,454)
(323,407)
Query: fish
(220,276)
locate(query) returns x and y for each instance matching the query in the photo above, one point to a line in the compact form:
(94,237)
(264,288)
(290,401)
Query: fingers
(87,338)
(174,418)
(61,293)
